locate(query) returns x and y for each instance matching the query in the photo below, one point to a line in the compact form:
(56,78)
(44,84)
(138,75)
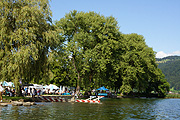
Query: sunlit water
(166,109)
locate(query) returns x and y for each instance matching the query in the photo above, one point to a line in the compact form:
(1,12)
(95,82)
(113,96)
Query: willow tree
(26,36)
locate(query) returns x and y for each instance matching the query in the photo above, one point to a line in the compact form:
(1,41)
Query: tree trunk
(79,78)
(78,84)
(17,87)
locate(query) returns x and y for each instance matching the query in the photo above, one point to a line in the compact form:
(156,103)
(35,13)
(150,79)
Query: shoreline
(67,98)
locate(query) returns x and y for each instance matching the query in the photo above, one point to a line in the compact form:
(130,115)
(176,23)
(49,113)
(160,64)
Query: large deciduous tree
(141,72)
(98,54)
(26,36)
(89,38)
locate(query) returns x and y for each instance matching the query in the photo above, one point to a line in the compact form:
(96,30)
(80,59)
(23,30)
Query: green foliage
(167,60)
(140,71)
(101,55)
(171,70)
(88,51)
(173,96)
(16,98)
(89,38)
(26,36)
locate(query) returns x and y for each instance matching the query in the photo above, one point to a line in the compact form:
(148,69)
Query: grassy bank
(173,96)
(8,99)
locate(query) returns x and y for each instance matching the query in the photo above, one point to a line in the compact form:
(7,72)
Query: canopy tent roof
(45,86)
(10,84)
(102,88)
(51,87)
(36,86)
(6,84)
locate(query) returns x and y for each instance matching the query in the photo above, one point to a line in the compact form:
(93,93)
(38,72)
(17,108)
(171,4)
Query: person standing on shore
(1,91)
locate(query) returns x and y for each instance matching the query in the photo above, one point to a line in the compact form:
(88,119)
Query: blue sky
(157,20)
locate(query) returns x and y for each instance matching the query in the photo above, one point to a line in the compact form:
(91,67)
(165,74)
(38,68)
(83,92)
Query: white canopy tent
(51,87)
(36,86)
(7,84)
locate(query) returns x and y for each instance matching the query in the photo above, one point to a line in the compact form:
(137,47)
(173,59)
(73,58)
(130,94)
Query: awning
(102,88)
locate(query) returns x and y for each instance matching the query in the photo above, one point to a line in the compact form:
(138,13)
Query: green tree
(26,37)
(98,54)
(62,75)
(89,38)
(141,72)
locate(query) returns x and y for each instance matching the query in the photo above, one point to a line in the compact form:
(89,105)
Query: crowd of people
(31,91)
(28,91)
(7,91)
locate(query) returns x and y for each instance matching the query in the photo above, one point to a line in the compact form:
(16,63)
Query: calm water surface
(166,109)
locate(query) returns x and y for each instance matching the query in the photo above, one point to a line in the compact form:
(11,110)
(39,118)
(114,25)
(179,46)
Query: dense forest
(170,66)
(83,49)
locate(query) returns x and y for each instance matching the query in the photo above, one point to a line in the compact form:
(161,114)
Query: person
(6,91)
(23,92)
(76,96)
(28,90)
(38,92)
(13,92)
(32,92)
(1,91)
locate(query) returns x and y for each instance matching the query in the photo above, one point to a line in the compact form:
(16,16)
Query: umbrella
(102,88)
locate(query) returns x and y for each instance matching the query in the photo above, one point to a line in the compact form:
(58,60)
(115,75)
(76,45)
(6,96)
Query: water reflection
(109,109)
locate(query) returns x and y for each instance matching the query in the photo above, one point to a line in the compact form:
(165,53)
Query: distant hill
(170,66)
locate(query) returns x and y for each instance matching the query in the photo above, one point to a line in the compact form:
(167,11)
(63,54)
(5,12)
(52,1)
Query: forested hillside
(170,66)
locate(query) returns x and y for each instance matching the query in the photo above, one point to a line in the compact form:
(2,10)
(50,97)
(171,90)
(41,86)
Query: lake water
(116,109)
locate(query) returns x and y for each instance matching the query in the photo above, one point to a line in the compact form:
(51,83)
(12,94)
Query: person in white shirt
(1,91)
